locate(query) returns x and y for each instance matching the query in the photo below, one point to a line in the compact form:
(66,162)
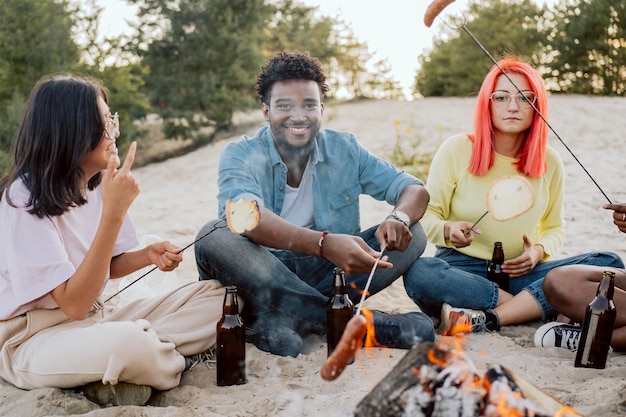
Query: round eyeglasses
(524,99)
(112,126)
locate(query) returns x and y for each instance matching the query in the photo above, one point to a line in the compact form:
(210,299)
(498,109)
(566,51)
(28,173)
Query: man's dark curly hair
(289,66)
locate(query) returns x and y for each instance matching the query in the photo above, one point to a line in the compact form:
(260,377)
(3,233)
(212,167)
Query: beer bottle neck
(339,284)
(230,303)
(498,253)
(607,285)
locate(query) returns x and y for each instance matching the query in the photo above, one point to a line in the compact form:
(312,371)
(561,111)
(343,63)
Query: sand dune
(179,195)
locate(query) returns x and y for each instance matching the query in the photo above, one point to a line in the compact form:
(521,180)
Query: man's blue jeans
(288,287)
(460,280)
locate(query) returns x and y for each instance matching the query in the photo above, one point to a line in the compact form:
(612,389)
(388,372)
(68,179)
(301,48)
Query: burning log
(437,381)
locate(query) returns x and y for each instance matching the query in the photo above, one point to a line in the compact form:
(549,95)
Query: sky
(395,33)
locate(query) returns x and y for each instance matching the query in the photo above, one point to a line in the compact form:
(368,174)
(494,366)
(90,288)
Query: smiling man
(307,181)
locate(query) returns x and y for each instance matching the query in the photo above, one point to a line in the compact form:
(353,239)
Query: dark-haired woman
(64,231)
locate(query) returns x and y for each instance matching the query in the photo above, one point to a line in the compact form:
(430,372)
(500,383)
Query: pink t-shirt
(39,254)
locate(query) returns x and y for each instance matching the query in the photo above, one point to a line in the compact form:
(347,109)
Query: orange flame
(434,357)
(459,323)
(370,336)
(503,407)
(566,411)
(449,349)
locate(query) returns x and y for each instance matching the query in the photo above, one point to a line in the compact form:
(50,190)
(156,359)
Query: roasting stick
(215,227)
(369,280)
(433,11)
(508,197)
(467,232)
(352,337)
(241,216)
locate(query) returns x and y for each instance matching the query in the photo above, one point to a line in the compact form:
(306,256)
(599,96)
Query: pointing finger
(130,158)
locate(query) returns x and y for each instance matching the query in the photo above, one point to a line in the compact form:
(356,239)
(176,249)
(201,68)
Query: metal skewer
(215,227)
(369,280)
(467,232)
(482,48)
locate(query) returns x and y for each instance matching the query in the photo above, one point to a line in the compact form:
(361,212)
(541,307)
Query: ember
(441,381)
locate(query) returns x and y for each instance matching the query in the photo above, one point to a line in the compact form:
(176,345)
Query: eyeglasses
(112,126)
(525,99)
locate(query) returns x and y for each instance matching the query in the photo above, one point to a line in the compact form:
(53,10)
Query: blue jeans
(460,280)
(288,287)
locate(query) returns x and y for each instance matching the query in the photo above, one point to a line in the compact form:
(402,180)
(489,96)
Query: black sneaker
(555,334)
(277,339)
(402,331)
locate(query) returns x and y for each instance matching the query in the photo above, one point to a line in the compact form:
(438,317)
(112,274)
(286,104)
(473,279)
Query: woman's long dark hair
(61,124)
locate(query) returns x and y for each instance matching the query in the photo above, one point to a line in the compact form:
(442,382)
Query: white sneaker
(463,320)
(557,334)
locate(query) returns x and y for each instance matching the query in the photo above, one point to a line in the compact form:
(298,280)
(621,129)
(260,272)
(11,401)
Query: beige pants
(141,342)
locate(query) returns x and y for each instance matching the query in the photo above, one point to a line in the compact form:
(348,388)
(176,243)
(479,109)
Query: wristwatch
(401,217)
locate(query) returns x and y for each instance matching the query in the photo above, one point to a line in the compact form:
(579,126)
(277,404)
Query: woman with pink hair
(509,138)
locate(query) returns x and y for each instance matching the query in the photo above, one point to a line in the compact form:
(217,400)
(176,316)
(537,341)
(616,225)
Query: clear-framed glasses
(524,99)
(112,126)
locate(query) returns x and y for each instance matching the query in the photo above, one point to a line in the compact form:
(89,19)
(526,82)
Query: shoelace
(478,322)
(569,338)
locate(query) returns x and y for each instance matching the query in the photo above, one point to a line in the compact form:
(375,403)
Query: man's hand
(619,215)
(394,234)
(352,254)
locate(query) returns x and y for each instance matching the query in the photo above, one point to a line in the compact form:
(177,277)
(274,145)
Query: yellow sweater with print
(457,195)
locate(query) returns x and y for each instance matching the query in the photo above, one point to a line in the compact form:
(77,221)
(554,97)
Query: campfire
(440,380)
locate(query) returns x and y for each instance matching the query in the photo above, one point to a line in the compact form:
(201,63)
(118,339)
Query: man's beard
(283,144)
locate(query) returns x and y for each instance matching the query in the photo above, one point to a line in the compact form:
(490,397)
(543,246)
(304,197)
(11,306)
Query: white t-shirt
(298,205)
(39,254)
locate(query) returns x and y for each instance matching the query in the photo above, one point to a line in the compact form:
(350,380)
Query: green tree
(456,65)
(201,60)
(588,45)
(35,40)
(295,26)
(109,60)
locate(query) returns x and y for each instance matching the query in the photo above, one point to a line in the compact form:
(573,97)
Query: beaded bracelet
(321,244)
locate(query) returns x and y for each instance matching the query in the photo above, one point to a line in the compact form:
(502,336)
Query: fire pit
(439,380)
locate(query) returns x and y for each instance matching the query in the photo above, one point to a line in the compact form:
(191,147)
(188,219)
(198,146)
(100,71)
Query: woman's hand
(455,233)
(523,264)
(165,255)
(119,187)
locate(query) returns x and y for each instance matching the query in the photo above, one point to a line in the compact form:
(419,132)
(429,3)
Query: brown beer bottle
(597,329)
(231,343)
(339,310)
(494,268)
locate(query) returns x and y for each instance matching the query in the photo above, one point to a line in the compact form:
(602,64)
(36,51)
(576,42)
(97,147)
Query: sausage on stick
(344,352)
(434,9)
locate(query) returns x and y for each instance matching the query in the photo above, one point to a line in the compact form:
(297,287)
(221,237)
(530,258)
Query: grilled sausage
(345,351)
(434,9)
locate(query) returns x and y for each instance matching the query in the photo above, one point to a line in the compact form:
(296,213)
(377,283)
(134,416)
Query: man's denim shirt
(342,169)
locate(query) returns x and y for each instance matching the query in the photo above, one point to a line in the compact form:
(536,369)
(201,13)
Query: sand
(179,195)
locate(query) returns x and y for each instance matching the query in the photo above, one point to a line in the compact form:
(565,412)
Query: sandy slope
(179,196)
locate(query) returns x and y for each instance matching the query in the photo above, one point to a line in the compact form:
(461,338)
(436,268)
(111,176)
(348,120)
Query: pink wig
(532,161)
